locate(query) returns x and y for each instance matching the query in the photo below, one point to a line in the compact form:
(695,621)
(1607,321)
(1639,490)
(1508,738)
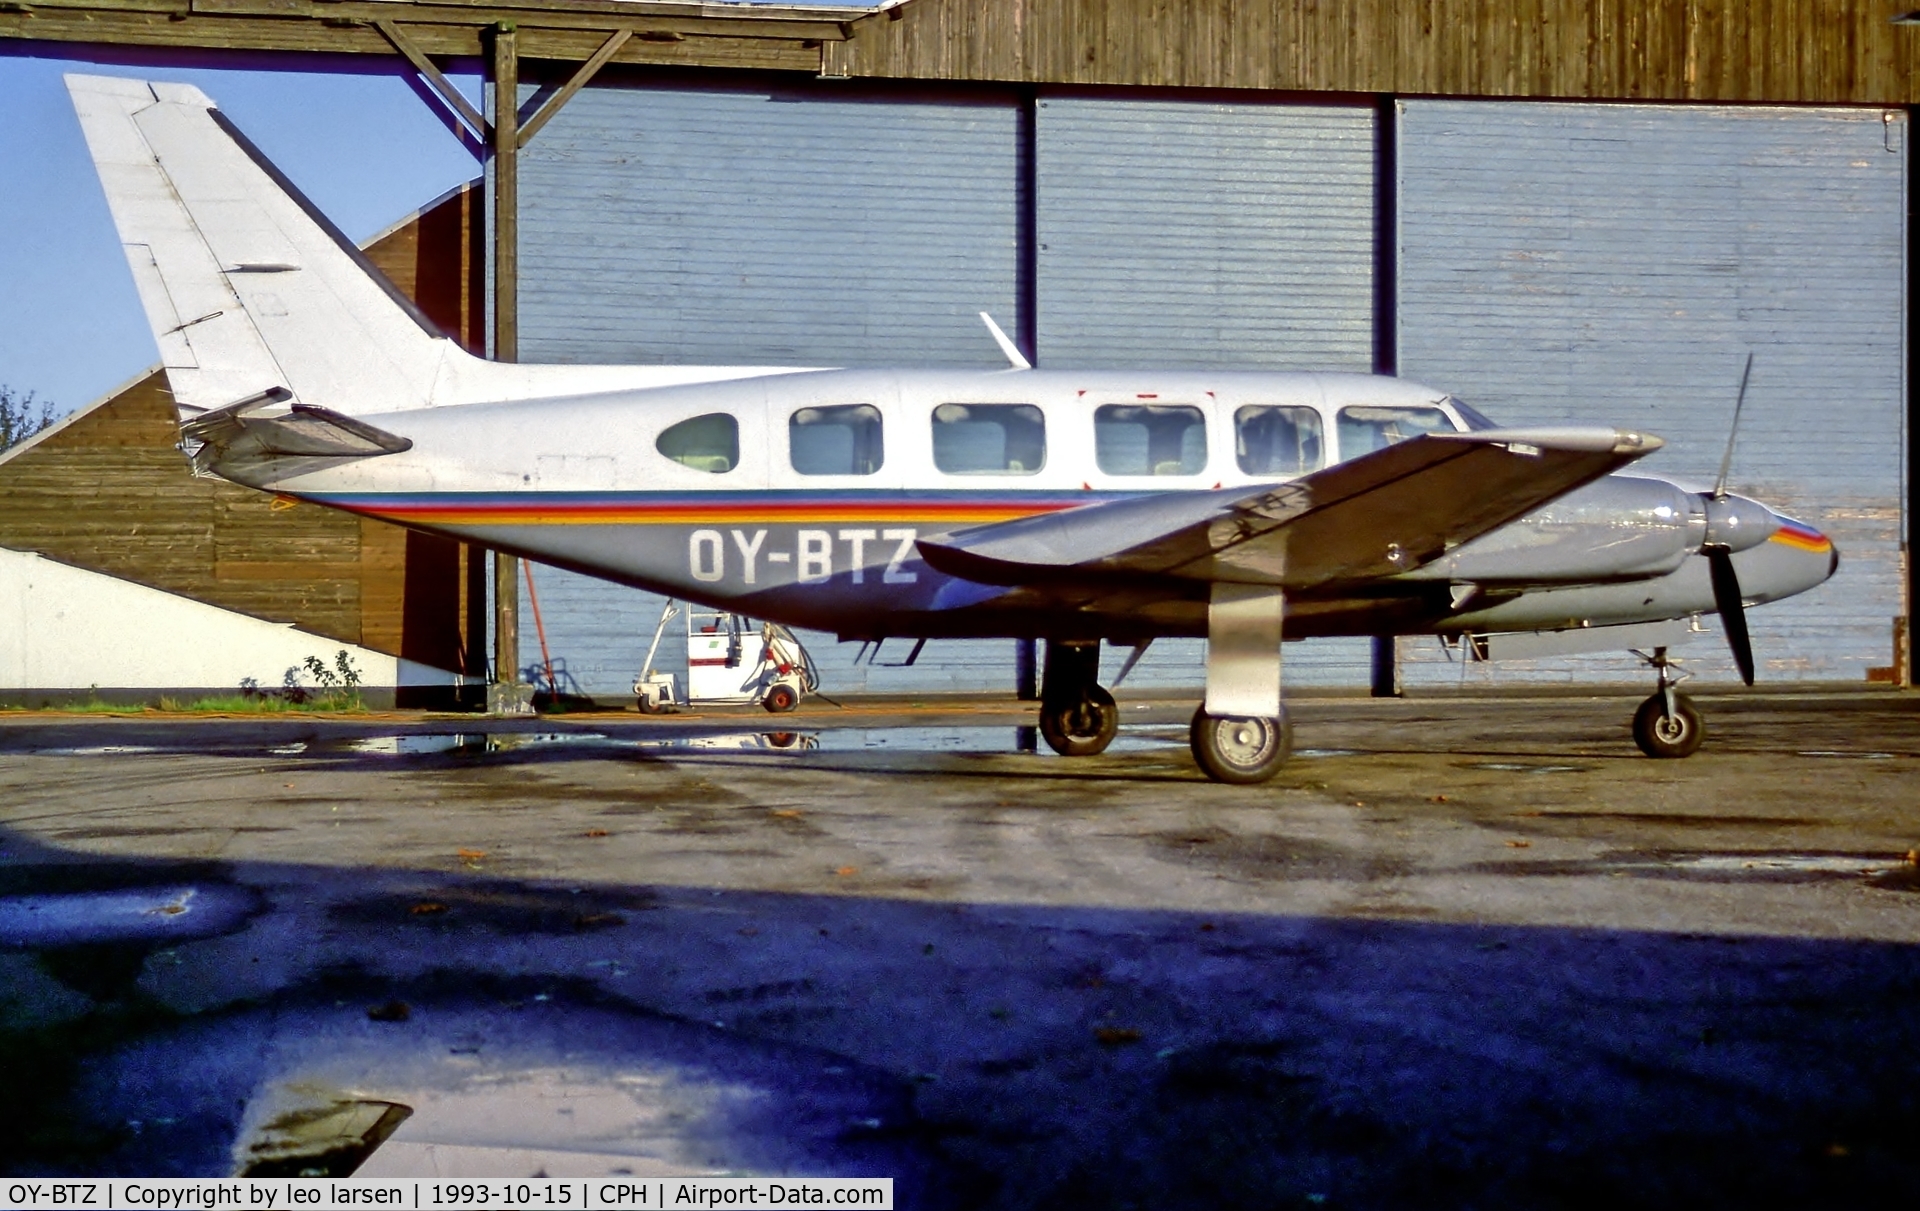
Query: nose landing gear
(1667,725)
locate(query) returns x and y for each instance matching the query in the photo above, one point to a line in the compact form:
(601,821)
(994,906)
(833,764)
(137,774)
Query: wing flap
(1370,517)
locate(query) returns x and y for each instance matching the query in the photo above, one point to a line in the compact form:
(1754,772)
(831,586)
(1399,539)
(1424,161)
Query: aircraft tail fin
(247,286)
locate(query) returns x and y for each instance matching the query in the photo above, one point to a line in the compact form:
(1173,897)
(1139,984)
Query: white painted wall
(65,628)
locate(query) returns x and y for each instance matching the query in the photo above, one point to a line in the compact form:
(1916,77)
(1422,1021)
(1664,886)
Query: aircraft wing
(1370,517)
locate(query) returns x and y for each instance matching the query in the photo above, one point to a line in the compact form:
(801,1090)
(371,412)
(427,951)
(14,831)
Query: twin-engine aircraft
(1069,506)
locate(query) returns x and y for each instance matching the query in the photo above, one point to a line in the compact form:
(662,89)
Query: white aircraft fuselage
(1073,506)
(582,483)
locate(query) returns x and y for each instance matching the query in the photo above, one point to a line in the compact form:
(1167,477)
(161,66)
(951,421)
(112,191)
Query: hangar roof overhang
(1782,51)
(778,36)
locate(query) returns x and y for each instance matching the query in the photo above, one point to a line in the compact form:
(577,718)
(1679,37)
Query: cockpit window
(1150,439)
(989,439)
(705,443)
(837,440)
(1273,440)
(1364,429)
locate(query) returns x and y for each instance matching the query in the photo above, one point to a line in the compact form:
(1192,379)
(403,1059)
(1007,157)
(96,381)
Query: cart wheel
(781,698)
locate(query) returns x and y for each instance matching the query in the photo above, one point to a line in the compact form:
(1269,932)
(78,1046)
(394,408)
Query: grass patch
(336,689)
(261,704)
(93,706)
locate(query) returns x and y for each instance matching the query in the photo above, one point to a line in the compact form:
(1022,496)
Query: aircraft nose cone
(1795,557)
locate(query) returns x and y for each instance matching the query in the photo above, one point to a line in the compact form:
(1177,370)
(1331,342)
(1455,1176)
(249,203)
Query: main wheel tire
(780,698)
(1240,751)
(1082,728)
(1661,736)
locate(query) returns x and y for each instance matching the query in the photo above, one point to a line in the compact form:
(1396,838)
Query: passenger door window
(1150,439)
(837,440)
(989,439)
(1274,440)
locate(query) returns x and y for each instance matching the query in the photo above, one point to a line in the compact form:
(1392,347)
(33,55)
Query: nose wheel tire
(1082,728)
(1662,735)
(1240,751)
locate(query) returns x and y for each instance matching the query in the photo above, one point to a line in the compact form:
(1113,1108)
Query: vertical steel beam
(1026,663)
(506,695)
(1386,326)
(1026,670)
(1907,624)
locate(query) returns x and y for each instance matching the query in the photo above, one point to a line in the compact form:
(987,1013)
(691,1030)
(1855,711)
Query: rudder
(247,287)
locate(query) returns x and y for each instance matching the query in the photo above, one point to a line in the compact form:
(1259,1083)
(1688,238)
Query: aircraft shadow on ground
(986,1055)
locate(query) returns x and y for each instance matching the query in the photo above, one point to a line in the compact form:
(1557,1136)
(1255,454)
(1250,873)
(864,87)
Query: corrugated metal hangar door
(1565,263)
(1176,233)
(805,225)
(823,226)
(1553,263)
(1204,233)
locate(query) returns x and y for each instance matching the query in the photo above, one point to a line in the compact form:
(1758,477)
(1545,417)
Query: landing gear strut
(1077,717)
(1667,725)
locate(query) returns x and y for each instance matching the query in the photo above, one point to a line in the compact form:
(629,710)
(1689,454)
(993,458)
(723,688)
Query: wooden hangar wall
(1549,262)
(109,492)
(1803,51)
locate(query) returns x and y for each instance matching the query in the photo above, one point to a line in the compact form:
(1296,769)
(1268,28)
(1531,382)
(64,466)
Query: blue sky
(366,148)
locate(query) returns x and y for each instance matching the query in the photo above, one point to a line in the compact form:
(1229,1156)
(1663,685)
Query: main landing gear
(1240,734)
(1078,718)
(1667,725)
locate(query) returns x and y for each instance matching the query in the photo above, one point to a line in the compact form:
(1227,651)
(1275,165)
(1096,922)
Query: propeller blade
(1726,460)
(1733,614)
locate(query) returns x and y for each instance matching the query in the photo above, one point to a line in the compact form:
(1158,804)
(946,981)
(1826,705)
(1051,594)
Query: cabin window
(839,440)
(1366,428)
(1150,439)
(989,439)
(705,443)
(1273,440)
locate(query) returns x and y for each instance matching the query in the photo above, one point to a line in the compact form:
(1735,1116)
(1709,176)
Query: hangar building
(1560,212)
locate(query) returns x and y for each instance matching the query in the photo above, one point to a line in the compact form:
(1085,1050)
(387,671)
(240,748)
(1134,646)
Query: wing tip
(1590,439)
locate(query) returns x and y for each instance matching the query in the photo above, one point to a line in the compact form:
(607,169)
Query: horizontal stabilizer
(1375,516)
(256,449)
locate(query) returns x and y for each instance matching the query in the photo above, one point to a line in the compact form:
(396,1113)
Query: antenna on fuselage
(1014,356)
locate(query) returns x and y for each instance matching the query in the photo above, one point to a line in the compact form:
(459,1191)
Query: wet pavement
(1463,952)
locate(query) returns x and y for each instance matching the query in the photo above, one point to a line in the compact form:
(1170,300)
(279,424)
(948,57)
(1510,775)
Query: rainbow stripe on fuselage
(1800,536)
(934,510)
